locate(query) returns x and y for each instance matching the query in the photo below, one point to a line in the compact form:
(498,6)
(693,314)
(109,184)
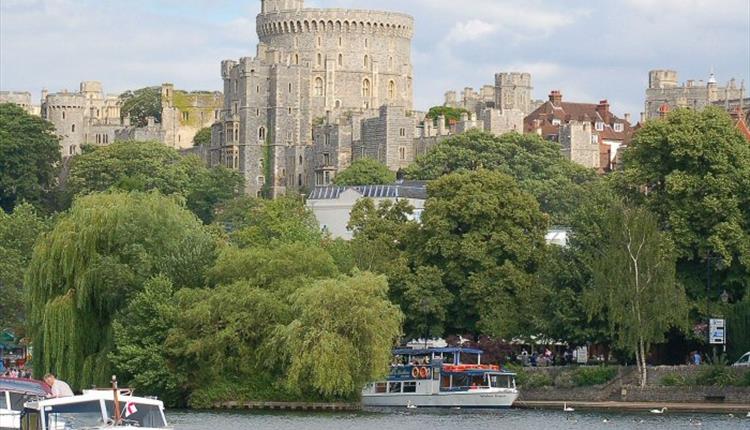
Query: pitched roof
(411,190)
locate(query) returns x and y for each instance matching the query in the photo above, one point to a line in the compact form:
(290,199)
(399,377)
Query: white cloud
(469,30)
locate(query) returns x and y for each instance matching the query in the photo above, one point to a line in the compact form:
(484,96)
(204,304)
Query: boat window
(144,415)
(394,387)
(74,416)
(30,421)
(410,387)
(380,387)
(3,402)
(17,400)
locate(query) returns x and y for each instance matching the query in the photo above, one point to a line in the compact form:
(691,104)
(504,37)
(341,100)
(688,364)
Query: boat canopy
(24,386)
(430,351)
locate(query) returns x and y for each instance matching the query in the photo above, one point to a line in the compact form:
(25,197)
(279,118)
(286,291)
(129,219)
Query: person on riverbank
(58,388)
(697,359)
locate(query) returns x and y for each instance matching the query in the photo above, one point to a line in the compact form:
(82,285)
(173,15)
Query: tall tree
(365,171)
(537,165)
(141,104)
(94,261)
(487,237)
(634,283)
(29,157)
(696,169)
(144,166)
(19,231)
(341,336)
(203,137)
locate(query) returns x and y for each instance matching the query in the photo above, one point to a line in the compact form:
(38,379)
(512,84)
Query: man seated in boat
(59,388)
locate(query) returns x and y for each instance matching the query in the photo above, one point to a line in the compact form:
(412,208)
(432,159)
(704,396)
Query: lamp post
(711,257)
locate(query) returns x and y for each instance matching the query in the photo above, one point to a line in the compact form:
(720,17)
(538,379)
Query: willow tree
(634,282)
(94,261)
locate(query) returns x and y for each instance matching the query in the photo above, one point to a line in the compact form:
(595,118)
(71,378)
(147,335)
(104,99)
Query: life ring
(415,372)
(424,372)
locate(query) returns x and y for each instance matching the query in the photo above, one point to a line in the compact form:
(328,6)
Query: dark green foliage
(29,157)
(141,104)
(537,165)
(715,375)
(486,235)
(140,330)
(94,261)
(696,167)
(203,137)
(588,376)
(673,380)
(451,114)
(365,171)
(253,221)
(19,231)
(144,166)
(738,324)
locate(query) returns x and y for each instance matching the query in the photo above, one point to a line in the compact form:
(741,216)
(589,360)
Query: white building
(332,205)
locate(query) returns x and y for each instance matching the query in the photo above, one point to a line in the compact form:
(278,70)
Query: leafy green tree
(634,283)
(341,336)
(203,137)
(487,237)
(141,104)
(424,300)
(365,171)
(538,166)
(253,221)
(94,261)
(29,157)
(450,113)
(140,331)
(696,168)
(144,166)
(19,231)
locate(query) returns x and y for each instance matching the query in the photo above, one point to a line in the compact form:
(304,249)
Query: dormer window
(619,127)
(599,126)
(556,121)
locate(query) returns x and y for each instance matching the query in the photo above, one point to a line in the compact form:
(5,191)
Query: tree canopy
(487,237)
(203,137)
(537,165)
(29,157)
(696,168)
(450,113)
(144,166)
(141,104)
(94,261)
(365,171)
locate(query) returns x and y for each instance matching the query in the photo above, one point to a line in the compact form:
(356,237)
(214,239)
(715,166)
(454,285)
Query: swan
(658,411)
(567,409)
(410,405)
(748,415)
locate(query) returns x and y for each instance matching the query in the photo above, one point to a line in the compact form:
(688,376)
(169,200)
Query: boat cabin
(14,392)
(93,410)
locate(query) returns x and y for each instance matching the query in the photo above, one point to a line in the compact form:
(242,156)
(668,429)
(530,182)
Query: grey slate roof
(407,190)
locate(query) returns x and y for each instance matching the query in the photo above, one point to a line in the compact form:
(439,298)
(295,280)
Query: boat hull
(462,399)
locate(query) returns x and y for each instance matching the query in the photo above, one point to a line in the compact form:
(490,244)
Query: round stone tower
(359,59)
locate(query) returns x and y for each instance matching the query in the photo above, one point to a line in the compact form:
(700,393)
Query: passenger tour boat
(441,377)
(14,392)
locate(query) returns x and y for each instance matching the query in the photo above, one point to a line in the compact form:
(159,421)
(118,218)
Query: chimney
(627,118)
(643,117)
(150,121)
(663,110)
(603,110)
(555,97)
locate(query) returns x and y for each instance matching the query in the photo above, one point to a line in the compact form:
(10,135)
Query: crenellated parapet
(340,21)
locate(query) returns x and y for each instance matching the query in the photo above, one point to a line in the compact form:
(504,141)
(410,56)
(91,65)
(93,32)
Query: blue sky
(589,50)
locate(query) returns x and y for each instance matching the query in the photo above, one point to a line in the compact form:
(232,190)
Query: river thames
(513,419)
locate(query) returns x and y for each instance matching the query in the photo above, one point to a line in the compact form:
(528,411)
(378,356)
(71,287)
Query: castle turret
(271,6)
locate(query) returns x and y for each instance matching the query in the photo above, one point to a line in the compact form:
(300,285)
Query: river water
(513,419)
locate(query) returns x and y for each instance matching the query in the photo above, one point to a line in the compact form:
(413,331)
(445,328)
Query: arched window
(296,59)
(367,61)
(320,59)
(73,128)
(366,88)
(318,86)
(262,134)
(391,90)
(341,60)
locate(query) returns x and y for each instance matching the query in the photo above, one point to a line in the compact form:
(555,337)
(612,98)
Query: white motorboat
(436,377)
(95,410)
(14,392)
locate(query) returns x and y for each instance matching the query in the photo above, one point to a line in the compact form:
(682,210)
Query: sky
(589,50)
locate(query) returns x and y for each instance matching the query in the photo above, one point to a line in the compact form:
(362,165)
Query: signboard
(717,332)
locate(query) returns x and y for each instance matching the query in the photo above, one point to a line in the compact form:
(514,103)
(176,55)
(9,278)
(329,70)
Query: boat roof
(479,372)
(24,386)
(410,351)
(92,395)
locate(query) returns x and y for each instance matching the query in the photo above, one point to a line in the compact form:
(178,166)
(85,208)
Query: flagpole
(118,418)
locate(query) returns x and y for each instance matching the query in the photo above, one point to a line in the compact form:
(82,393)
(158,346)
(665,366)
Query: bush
(673,380)
(537,380)
(716,375)
(744,381)
(565,380)
(588,376)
